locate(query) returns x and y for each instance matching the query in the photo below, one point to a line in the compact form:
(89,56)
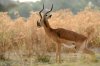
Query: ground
(67,60)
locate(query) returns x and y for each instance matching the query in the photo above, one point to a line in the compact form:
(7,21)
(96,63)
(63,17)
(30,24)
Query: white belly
(69,46)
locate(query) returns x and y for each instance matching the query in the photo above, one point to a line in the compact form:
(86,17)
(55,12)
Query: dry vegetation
(23,36)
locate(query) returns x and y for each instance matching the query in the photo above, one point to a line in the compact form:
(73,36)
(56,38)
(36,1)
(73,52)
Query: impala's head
(44,16)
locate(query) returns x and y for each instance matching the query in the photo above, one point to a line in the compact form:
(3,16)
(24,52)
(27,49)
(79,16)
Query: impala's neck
(46,24)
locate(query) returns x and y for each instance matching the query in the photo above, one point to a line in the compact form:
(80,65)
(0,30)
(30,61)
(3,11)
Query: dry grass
(24,38)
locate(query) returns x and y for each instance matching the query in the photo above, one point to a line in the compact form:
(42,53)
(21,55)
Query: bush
(43,58)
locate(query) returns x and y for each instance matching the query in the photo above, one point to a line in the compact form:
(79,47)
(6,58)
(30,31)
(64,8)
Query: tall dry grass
(23,35)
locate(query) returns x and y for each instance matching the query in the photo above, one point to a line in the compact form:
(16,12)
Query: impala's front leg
(58,53)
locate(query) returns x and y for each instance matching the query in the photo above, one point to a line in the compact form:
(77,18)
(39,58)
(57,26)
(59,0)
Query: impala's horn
(41,11)
(50,10)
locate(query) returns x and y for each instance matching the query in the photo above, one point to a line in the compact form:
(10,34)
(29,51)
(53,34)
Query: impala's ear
(50,16)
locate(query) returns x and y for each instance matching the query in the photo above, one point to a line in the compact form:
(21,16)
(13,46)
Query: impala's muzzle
(38,24)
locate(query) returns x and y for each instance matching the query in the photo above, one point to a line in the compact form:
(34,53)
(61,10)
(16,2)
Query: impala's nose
(38,24)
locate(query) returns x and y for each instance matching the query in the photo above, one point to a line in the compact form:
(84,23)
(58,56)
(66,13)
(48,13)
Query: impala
(62,36)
